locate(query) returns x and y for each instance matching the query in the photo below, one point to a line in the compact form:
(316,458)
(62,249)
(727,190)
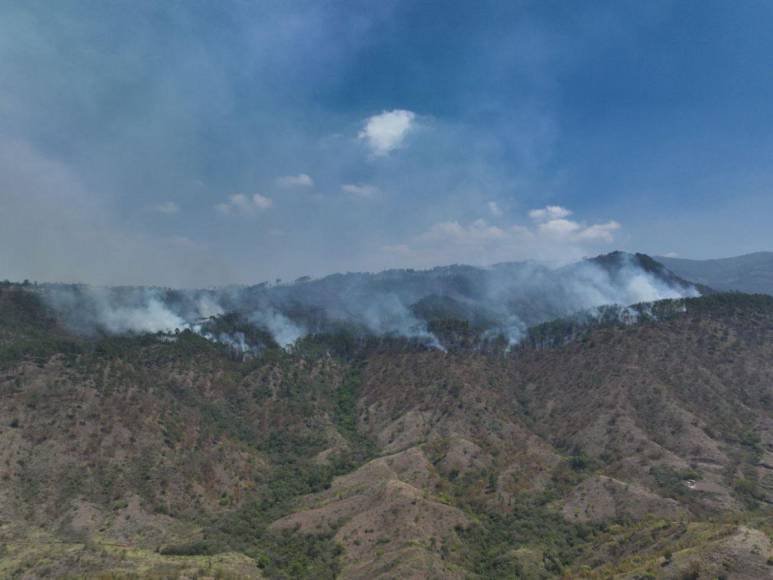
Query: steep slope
(633,425)
(382,514)
(630,450)
(747,273)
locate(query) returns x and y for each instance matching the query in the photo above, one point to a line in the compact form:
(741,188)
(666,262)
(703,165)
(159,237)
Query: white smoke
(513,329)
(235,342)
(593,286)
(89,309)
(208,307)
(384,315)
(283,330)
(501,300)
(152,317)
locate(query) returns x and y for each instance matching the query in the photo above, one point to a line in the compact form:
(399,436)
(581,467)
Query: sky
(192,143)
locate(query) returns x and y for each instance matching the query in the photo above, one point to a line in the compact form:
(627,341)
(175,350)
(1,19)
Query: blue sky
(197,143)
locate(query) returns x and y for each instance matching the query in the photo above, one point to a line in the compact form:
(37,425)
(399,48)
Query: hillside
(628,450)
(747,273)
(501,301)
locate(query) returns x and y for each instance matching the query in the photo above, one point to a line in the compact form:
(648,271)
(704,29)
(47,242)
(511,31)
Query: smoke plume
(505,300)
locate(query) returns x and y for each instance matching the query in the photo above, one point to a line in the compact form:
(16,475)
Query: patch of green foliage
(731,303)
(282,554)
(488,546)
(345,418)
(28,329)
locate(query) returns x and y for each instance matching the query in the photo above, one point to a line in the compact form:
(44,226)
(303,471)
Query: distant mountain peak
(746,273)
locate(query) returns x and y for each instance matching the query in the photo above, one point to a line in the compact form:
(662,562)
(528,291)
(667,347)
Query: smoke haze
(191,144)
(501,300)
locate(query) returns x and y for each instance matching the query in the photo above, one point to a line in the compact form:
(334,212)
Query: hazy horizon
(304,278)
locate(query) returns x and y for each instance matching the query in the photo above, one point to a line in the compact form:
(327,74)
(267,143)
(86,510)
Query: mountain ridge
(503,300)
(134,455)
(746,273)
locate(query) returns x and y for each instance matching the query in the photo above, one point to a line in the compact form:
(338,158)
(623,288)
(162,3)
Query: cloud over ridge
(551,236)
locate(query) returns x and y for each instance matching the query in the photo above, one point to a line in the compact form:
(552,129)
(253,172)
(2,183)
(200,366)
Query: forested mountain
(631,443)
(503,301)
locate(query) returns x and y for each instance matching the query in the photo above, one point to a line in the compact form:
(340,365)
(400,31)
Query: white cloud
(550,212)
(559,228)
(551,222)
(552,237)
(478,231)
(238,203)
(494,209)
(602,232)
(300,180)
(362,190)
(386,132)
(166,207)
(261,202)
